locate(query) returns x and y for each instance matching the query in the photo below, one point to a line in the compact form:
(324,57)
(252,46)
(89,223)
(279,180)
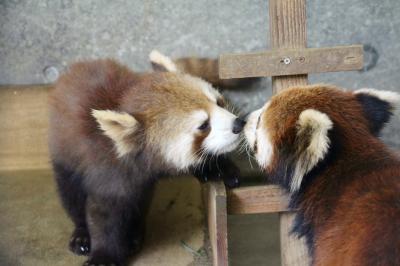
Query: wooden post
(287,20)
(215,197)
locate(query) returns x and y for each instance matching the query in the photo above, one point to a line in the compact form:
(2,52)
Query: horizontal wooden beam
(257,199)
(283,62)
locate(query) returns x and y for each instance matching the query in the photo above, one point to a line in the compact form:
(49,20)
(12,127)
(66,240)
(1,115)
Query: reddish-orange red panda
(113,133)
(321,144)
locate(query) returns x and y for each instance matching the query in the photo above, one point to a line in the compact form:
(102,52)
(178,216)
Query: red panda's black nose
(238,125)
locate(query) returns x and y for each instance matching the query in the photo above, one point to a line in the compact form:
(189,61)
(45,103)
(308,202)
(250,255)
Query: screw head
(286,60)
(50,73)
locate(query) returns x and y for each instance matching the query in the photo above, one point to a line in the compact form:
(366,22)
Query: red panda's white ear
(118,127)
(162,62)
(312,143)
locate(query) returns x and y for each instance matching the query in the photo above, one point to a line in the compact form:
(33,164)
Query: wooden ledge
(257,199)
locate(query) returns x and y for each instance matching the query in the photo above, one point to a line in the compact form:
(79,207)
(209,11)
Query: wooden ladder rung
(257,199)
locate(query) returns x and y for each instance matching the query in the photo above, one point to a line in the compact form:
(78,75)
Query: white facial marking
(264,145)
(221,138)
(264,148)
(318,124)
(251,127)
(178,151)
(163,60)
(387,96)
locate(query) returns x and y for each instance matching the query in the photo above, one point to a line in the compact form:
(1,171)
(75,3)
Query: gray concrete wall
(39,38)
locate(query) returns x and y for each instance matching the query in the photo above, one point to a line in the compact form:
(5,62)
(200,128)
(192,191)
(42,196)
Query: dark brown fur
(106,196)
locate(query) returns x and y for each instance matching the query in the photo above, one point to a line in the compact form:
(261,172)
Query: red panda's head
(297,128)
(179,117)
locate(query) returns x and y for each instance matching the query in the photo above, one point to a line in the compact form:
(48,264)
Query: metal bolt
(50,73)
(286,60)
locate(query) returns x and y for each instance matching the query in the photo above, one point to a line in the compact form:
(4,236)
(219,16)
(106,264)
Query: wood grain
(288,30)
(287,19)
(285,62)
(23,127)
(217,222)
(257,199)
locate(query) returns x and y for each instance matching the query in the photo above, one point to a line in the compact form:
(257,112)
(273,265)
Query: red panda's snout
(224,132)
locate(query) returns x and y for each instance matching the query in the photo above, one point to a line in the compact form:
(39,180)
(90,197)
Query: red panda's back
(98,84)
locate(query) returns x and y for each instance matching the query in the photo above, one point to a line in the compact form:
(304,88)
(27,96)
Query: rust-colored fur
(349,203)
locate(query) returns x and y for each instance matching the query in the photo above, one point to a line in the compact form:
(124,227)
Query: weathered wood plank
(285,62)
(257,199)
(23,127)
(287,19)
(217,222)
(288,30)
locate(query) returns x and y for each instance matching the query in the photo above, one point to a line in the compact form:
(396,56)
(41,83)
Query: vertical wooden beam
(217,222)
(288,30)
(287,20)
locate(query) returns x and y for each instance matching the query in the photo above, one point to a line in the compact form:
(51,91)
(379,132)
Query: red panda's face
(295,130)
(179,117)
(190,122)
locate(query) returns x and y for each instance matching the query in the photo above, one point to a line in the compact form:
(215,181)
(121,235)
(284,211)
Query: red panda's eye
(220,102)
(205,126)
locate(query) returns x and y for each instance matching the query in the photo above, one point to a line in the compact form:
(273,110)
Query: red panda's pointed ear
(377,106)
(312,143)
(118,127)
(162,62)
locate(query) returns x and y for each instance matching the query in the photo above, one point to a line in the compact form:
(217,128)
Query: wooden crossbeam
(257,199)
(285,62)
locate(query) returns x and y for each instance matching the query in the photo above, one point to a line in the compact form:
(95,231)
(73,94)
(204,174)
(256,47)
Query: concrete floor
(34,229)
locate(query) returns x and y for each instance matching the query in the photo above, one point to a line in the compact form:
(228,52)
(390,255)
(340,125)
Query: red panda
(321,144)
(113,133)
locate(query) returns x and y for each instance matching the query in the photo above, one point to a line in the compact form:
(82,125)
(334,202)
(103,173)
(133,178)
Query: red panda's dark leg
(116,226)
(73,198)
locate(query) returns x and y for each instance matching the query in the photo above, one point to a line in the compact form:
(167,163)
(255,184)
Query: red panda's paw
(93,262)
(80,241)
(217,169)
(99,258)
(231,181)
(137,244)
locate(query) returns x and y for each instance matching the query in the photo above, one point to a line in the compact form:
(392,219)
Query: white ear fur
(312,129)
(387,96)
(159,59)
(118,127)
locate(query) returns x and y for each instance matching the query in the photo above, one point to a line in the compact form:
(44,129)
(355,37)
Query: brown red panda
(113,133)
(321,144)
